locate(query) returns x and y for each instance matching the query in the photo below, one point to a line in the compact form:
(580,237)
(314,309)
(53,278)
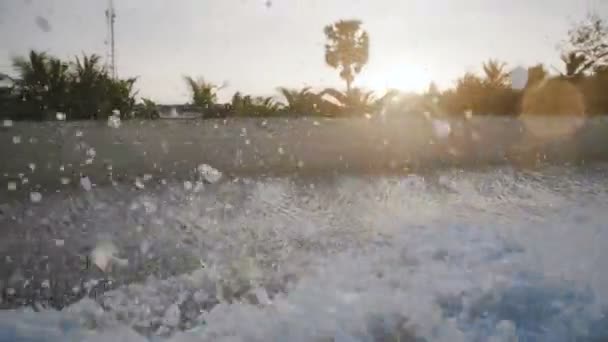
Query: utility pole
(111,47)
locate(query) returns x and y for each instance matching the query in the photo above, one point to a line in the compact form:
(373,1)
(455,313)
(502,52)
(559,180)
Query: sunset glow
(402,77)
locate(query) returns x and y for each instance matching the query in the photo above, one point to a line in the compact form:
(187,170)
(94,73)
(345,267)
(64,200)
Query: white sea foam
(460,256)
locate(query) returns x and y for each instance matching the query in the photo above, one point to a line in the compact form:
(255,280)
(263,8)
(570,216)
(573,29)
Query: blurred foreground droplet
(555,108)
(441,129)
(35,197)
(114,119)
(208,173)
(7,123)
(85,182)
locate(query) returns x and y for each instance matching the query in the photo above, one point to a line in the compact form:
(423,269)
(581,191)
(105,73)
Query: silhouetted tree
(347,49)
(246,105)
(495,75)
(355,102)
(82,89)
(587,46)
(42,84)
(301,102)
(204,94)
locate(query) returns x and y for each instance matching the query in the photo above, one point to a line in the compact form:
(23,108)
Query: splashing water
(460,256)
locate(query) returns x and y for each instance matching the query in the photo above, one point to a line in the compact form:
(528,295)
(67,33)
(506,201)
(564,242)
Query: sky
(257,45)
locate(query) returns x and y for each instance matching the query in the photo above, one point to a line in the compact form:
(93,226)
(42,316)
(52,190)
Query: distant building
(193,112)
(6,83)
(179,112)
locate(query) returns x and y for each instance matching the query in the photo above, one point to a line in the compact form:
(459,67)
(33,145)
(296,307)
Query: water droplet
(7,123)
(85,182)
(59,242)
(33,140)
(281,151)
(64,180)
(60,116)
(208,173)
(114,119)
(188,185)
(16,139)
(468,114)
(442,129)
(139,184)
(247,142)
(147,177)
(79,133)
(12,186)
(24,180)
(32,167)
(300,164)
(91,152)
(43,24)
(368,116)
(10,291)
(35,197)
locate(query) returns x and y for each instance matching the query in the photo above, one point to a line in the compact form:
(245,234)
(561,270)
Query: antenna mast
(111,47)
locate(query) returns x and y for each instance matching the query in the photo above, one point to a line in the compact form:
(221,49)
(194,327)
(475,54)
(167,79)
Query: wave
(494,255)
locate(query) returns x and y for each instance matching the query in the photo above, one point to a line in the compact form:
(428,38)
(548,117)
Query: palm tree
(354,102)
(204,94)
(301,102)
(89,82)
(347,49)
(42,83)
(254,106)
(495,74)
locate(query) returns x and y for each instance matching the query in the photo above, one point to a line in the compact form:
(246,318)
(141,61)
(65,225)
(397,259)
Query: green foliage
(246,105)
(485,95)
(147,109)
(204,94)
(81,89)
(301,102)
(356,102)
(347,49)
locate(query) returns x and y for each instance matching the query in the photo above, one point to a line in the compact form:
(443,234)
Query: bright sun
(402,77)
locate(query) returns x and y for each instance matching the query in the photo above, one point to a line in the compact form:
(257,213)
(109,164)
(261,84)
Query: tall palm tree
(89,82)
(347,49)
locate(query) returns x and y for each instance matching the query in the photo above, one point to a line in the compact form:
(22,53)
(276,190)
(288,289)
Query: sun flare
(406,78)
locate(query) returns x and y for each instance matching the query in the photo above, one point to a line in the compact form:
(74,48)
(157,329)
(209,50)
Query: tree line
(83,88)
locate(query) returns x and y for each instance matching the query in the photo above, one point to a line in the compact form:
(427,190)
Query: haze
(256,45)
